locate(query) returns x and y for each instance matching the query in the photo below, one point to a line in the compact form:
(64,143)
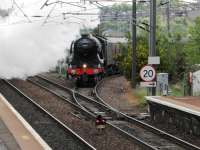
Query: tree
(192,49)
(125,58)
(176,48)
(115,18)
(171,48)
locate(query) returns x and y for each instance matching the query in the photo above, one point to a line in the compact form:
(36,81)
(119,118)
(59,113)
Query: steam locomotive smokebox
(162,84)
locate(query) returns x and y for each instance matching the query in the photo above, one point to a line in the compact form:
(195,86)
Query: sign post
(148,75)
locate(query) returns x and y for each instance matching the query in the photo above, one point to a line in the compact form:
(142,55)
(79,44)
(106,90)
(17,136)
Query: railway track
(110,139)
(51,87)
(164,134)
(51,129)
(146,135)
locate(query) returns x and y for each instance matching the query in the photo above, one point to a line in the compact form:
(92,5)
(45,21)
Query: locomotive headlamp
(96,71)
(73,71)
(84,66)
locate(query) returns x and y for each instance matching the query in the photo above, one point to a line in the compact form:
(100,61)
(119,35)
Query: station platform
(15,132)
(182,112)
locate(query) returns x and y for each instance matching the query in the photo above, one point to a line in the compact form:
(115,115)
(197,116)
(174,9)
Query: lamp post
(152,38)
(134,62)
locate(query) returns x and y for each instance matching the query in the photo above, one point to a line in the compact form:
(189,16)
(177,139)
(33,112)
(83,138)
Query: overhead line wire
(62,2)
(14,2)
(49,13)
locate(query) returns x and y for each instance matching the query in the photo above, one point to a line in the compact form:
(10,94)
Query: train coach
(90,60)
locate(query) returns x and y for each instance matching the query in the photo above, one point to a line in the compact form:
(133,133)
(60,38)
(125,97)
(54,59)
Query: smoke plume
(4,13)
(29,49)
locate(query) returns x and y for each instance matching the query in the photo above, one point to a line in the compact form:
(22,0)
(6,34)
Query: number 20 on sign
(148,73)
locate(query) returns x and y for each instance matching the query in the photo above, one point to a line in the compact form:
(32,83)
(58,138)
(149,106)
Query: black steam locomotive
(87,59)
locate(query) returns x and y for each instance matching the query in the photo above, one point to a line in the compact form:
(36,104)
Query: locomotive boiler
(87,60)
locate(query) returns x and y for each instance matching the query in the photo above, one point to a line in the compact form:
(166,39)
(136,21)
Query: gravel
(118,93)
(147,136)
(60,79)
(57,137)
(108,139)
(110,92)
(115,92)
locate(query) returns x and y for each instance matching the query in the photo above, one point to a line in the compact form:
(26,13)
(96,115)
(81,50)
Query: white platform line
(26,124)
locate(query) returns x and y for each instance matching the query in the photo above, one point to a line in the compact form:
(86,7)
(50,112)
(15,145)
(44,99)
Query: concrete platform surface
(7,141)
(15,132)
(187,104)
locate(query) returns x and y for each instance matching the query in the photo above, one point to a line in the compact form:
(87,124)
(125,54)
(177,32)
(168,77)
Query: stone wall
(176,119)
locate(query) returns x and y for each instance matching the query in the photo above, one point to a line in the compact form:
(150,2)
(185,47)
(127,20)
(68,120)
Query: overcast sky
(33,7)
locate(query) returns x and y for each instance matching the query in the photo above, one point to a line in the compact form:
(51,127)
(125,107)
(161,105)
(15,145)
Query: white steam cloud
(30,49)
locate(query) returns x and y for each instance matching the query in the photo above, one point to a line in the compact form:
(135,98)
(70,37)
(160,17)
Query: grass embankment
(177,90)
(140,93)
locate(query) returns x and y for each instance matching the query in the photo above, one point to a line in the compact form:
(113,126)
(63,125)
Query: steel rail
(74,104)
(106,107)
(75,135)
(142,143)
(75,94)
(126,117)
(145,125)
(72,90)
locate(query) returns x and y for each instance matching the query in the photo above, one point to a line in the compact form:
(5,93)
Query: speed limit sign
(147,73)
